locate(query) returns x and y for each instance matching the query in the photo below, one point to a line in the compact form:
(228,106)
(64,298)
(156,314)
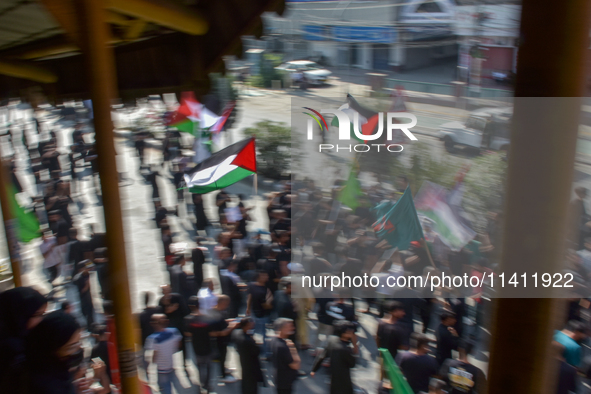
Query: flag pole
(428,253)
(255,181)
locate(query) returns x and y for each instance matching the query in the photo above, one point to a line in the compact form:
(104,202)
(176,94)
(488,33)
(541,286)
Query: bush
(274,154)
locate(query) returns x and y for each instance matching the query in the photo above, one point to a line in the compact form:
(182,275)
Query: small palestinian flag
(223,168)
(191,116)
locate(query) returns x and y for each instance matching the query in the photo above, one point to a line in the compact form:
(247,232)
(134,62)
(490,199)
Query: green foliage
(268,72)
(485,187)
(257,81)
(484,183)
(274,148)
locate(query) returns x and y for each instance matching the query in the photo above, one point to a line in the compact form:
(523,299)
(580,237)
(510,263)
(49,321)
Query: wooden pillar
(100,66)
(554,43)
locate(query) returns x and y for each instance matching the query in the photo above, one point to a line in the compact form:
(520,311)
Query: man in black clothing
(221,200)
(198,259)
(101,348)
(222,329)
(175,308)
(391,334)
(259,303)
(286,360)
(461,376)
(145,317)
(198,327)
(248,352)
(318,264)
(166,242)
(58,226)
(418,367)
(229,285)
(447,337)
(339,310)
(179,279)
(282,301)
(342,357)
(152,178)
(284,306)
(101,262)
(77,249)
(82,281)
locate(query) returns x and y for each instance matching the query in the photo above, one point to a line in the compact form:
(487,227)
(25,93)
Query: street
(143,244)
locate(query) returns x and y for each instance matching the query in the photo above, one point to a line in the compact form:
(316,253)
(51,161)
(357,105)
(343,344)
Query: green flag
(398,223)
(397,379)
(350,193)
(27,223)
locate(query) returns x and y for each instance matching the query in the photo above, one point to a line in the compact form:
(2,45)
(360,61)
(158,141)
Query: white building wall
(366,56)
(329,49)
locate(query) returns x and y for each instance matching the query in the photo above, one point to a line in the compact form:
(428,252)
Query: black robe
(341,362)
(249,360)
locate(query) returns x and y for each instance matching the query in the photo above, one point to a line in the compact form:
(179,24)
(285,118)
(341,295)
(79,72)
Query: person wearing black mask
(21,309)
(249,356)
(53,352)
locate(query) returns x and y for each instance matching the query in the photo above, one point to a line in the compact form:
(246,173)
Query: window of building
(430,6)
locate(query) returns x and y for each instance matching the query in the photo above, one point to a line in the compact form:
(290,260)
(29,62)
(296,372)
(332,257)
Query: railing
(445,89)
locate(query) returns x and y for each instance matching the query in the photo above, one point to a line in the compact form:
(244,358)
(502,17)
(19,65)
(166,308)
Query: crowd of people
(232,291)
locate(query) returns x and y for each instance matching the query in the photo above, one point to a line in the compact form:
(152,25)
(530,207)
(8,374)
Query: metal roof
(23,21)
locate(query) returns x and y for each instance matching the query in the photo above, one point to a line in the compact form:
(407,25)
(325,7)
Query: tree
(484,182)
(274,148)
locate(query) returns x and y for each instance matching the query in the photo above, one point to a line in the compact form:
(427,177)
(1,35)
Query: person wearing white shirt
(53,255)
(165,342)
(207,300)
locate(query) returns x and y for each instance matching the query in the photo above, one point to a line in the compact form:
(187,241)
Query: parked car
(486,128)
(314,74)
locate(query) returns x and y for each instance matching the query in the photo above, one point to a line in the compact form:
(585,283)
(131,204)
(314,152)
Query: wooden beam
(48,51)
(26,71)
(162,13)
(117,19)
(135,29)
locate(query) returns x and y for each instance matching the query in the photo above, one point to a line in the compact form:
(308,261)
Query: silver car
(314,74)
(486,128)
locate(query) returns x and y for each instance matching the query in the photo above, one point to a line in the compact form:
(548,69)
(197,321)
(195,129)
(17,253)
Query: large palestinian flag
(223,168)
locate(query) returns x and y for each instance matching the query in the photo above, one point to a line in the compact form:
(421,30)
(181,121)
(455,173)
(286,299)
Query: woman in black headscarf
(53,353)
(21,309)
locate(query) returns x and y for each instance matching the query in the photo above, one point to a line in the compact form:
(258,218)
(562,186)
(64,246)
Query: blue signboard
(383,35)
(317,33)
(361,34)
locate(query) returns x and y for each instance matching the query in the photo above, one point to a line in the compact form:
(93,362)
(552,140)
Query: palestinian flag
(191,116)
(223,168)
(368,120)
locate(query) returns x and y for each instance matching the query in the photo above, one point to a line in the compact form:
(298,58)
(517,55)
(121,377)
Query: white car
(486,128)
(314,74)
